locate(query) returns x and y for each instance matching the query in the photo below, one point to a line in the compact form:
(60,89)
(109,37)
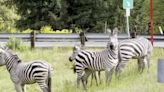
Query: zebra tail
(49,80)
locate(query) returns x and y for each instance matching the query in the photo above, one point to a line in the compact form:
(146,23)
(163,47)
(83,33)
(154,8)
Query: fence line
(70,39)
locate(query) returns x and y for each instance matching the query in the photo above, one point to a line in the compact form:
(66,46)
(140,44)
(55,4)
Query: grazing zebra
(138,48)
(93,74)
(26,73)
(87,62)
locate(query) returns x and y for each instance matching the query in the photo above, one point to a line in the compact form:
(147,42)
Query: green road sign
(127,4)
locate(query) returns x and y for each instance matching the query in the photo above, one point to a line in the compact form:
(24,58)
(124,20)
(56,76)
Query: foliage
(140,17)
(88,15)
(77,30)
(8,16)
(37,13)
(48,29)
(27,30)
(16,44)
(158,12)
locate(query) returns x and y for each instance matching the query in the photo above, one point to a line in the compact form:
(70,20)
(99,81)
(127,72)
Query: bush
(78,30)
(27,30)
(16,44)
(48,29)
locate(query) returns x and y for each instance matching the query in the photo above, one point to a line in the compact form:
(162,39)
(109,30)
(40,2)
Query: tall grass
(64,80)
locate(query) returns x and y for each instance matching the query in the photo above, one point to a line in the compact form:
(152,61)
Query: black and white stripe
(138,48)
(37,71)
(87,62)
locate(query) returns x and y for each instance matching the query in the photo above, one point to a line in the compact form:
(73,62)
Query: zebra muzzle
(70,59)
(111,46)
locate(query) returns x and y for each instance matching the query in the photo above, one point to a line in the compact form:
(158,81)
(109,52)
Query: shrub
(78,30)
(16,44)
(46,29)
(27,30)
(12,30)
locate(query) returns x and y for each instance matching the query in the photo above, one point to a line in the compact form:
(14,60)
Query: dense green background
(89,15)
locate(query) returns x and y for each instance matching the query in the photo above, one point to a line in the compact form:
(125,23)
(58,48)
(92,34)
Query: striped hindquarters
(90,60)
(34,72)
(134,48)
(138,48)
(95,61)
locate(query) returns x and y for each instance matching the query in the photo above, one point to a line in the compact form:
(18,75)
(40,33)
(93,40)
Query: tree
(37,13)
(90,15)
(139,18)
(158,12)
(8,16)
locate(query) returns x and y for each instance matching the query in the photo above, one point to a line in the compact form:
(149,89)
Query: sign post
(127,4)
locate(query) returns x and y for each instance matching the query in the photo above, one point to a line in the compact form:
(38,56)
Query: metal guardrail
(98,39)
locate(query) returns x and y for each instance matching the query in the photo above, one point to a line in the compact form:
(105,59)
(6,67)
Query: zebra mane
(1,50)
(5,49)
(78,47)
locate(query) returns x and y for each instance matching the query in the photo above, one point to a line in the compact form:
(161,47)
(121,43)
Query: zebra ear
(1,50)
(114,32)
(76,47)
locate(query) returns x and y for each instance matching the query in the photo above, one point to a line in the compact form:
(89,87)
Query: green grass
(64,80)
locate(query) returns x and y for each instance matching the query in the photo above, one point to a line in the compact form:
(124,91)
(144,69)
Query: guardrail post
(83,38)
(133,34)
(161,70)
(32,39)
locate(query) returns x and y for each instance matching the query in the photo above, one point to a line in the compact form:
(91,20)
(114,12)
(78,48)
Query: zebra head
(113,40)
(5,54)
(76,49)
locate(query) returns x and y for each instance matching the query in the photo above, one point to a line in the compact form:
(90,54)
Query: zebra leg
(96,78)
(43,85)
(142,64)
(119,69)
(148,62)
(145,62)
(48,81)
(139,61)
(92,75)
(85,78)
(79,77)
(99,76)
(78,82)
(108,75)
(23,88)
(18,88)
(45,89)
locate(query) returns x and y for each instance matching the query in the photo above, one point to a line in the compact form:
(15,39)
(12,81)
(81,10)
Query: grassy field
(64,80)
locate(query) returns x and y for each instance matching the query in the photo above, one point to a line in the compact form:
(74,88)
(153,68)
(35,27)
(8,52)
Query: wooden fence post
(83,38)
(133,34)
(32,39)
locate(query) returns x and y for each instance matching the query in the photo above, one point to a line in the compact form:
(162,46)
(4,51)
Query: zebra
(87,62)
(93,74)
(37,71)
(138,48)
